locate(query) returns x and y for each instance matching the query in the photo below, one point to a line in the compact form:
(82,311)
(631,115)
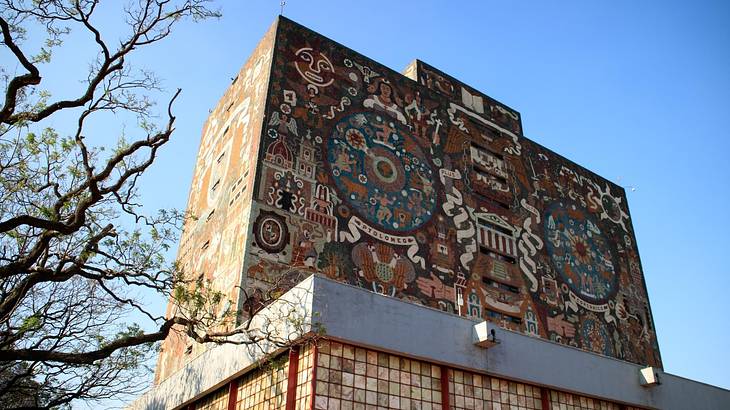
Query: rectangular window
(497,256)
(235,184)
(501,316)
(502,286)
(490,176)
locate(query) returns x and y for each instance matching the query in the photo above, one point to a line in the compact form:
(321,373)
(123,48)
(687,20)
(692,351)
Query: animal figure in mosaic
(397,178)
(383,267)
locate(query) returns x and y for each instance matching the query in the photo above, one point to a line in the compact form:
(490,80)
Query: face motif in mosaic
(314,67)
(271,232)
(425,189)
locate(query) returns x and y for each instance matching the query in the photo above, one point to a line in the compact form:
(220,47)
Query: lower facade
(329,375)
(377,352)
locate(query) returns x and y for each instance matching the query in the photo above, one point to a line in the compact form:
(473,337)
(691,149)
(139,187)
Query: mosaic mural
(427,191)
(340,376)
(213,241)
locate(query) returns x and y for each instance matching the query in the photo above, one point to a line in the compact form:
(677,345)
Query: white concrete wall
(363,318)
(287,318)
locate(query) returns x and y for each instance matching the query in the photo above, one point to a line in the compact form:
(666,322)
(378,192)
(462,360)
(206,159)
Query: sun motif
(355,138)
(581,248)
(612,209)
(580,252)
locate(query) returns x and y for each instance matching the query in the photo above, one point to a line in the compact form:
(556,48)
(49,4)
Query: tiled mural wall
(219,204)
(428,191)
(340,376)
(477,392)
(263,388)
(568,401)
(350,377)
(305,377)
(217,400)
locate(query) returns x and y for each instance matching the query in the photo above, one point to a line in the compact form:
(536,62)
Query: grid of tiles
(352,378)
(218,400)
(476,392)
(304,378)
(263,388)
(568,401)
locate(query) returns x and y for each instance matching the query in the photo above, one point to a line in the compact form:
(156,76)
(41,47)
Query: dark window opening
(489,175)
(489,199)
(498,256)
(487,149)
(501,316)
(500,285)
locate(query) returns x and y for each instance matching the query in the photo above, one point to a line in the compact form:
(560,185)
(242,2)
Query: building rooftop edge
(518,357)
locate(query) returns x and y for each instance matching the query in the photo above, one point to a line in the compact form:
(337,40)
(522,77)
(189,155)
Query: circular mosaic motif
(612,208)
(580,253)
(271,232)
(380,170)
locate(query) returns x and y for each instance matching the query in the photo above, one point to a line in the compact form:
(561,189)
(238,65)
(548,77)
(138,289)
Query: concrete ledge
(289,318)
(361,317)
(367,319)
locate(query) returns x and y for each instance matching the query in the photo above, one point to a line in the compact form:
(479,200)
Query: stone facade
(414,186)
(212,244)
(427,191)
(347,377)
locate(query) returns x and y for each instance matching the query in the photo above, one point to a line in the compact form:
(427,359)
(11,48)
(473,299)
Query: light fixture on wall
(484,335)
(649,377)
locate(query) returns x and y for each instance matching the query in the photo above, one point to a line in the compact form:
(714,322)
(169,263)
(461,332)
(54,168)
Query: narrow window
(500,285)
(490,176)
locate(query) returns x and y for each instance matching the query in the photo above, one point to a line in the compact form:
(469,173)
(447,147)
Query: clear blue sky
(635,91)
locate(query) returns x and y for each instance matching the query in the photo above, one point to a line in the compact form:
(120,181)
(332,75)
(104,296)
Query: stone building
(451,261)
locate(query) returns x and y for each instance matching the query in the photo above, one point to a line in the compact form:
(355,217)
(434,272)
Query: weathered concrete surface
(363,318)
(286,319)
